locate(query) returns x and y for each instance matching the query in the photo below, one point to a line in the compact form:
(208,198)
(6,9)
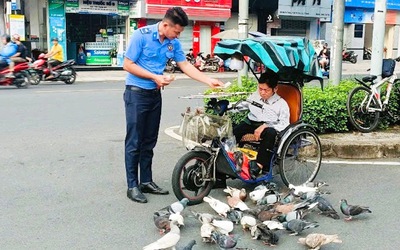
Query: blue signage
(353,15)
(391,4)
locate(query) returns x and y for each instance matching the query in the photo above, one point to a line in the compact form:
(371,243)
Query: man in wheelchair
(268,115)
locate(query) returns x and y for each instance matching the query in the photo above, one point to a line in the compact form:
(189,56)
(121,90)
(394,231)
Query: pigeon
(234,192)
(234,216)
(189,245)
(317,184)
(297,226)
(352,210)
(223,241)
(178,218)
(169,240)
(261,232)
(203,217)
(291,216)
(161,220)
(205,232)
(269,199)
(248,221)
(267,215)
(223,226)
(326,208)
(315,241)
(176,207)
(258,194)
(273,225)
(288,198)
(218,206)
(235,202)
(302,189)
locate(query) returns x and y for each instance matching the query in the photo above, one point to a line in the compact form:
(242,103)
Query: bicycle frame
(376,96)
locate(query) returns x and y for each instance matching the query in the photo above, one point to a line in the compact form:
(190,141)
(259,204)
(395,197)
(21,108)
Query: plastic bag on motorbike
(198,128)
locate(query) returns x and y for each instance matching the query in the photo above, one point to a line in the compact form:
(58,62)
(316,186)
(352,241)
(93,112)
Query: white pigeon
(235,192)
(218,206)
(178,218)
(248,221)
(273,225)
(205,231)
(169,240)
(258,194)
(302,189)
(203,217)
(223,226)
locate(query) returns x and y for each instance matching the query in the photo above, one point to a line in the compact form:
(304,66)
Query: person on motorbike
(324,57)
(190,56)
(8,50)
(56,57)
(264,121)
(20,56)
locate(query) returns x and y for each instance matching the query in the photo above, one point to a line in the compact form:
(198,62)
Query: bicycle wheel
(300,158)
(362,119)
(188,177)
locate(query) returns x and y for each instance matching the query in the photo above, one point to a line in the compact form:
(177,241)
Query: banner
(370,4)
(17,25)
(57,29)
(303,8)
(105,7)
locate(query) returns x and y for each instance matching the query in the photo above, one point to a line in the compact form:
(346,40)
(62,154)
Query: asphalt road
(63,177)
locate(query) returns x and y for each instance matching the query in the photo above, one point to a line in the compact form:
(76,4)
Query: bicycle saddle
(369,78)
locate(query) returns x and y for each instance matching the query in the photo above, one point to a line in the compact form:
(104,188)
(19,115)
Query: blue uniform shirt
(146,50)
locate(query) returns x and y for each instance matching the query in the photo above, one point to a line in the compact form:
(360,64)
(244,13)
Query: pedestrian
(147,53)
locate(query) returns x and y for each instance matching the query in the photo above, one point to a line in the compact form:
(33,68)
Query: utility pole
(243,32)
(337,42)
(378,35)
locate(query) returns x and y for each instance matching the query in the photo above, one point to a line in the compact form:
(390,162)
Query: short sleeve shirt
(146,50)
(22,50)
(57,49)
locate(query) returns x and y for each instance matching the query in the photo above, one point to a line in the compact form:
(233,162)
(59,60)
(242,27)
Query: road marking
(170,132)
(78,90)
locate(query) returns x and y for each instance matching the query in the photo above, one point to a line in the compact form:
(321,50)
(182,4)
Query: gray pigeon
(190,245)
(297,214)
(326,208)
(203,217)
(297,226)
(269,199)
(177,207)
(352,210)
(161,220)
(223,241)
(262,232)
(234,216)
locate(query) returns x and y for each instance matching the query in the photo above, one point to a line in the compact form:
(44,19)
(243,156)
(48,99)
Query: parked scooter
(349,56)
(207,63)
(21,77)
(63,72)
(171,66)
(367,54)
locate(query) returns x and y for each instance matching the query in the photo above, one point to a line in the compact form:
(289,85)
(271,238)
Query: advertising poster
(57,24)
(72,6)
(17,25)
(123,7)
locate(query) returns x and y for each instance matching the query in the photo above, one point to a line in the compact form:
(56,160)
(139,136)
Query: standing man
(148,51)
(56,56)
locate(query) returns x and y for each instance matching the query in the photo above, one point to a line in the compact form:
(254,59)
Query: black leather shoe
(135,195)
(152,188)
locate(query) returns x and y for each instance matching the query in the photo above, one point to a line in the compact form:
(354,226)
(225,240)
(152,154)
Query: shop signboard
(105,7)
(137,9)
(17,25)
(306,8)
(56,13)
(361,16)
(97,53)
(370,4)
(225,4)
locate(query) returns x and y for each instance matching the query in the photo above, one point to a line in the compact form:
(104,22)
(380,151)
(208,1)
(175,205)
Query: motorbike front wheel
(188,177)
(215,67)
(353,60)
(72,78)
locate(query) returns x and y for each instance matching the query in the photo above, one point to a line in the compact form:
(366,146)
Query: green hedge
(323,109)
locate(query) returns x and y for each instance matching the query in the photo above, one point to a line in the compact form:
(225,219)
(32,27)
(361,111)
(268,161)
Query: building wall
(232,22)
(34,12)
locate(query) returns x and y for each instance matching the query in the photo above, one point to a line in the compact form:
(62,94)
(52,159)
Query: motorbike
(210,64)
(21,77)
(171,66)
(367,54)
(63,72)
(349,56)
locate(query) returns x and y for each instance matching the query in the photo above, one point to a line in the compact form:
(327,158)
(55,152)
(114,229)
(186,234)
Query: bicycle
(364,103)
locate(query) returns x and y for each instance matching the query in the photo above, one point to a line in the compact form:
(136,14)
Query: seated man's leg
(11,65)
(242,129)
(265,152)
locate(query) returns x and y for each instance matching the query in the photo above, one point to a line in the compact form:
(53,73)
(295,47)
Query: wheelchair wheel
(300,158)
(188,177)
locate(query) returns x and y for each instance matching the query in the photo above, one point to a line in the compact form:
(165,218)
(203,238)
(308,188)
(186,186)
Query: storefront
(90,31)
(359,19)
(205,19)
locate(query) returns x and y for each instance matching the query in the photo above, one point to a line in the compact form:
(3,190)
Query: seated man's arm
(16,55)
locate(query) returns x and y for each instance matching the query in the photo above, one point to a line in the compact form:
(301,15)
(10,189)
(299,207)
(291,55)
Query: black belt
(135,88)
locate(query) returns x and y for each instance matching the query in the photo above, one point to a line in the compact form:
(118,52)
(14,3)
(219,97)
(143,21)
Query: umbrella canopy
(228,34)
(287,56)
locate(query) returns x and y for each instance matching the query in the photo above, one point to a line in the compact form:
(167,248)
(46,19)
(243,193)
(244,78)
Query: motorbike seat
(369,78)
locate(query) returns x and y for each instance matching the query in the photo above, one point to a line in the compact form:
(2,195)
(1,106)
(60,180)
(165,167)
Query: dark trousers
(267,141)
(143,114)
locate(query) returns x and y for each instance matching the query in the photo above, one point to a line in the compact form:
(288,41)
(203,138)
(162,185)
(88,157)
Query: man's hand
(162,80)
(214,83)
(259,130)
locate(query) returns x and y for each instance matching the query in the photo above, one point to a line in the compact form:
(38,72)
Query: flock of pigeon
(272,211)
